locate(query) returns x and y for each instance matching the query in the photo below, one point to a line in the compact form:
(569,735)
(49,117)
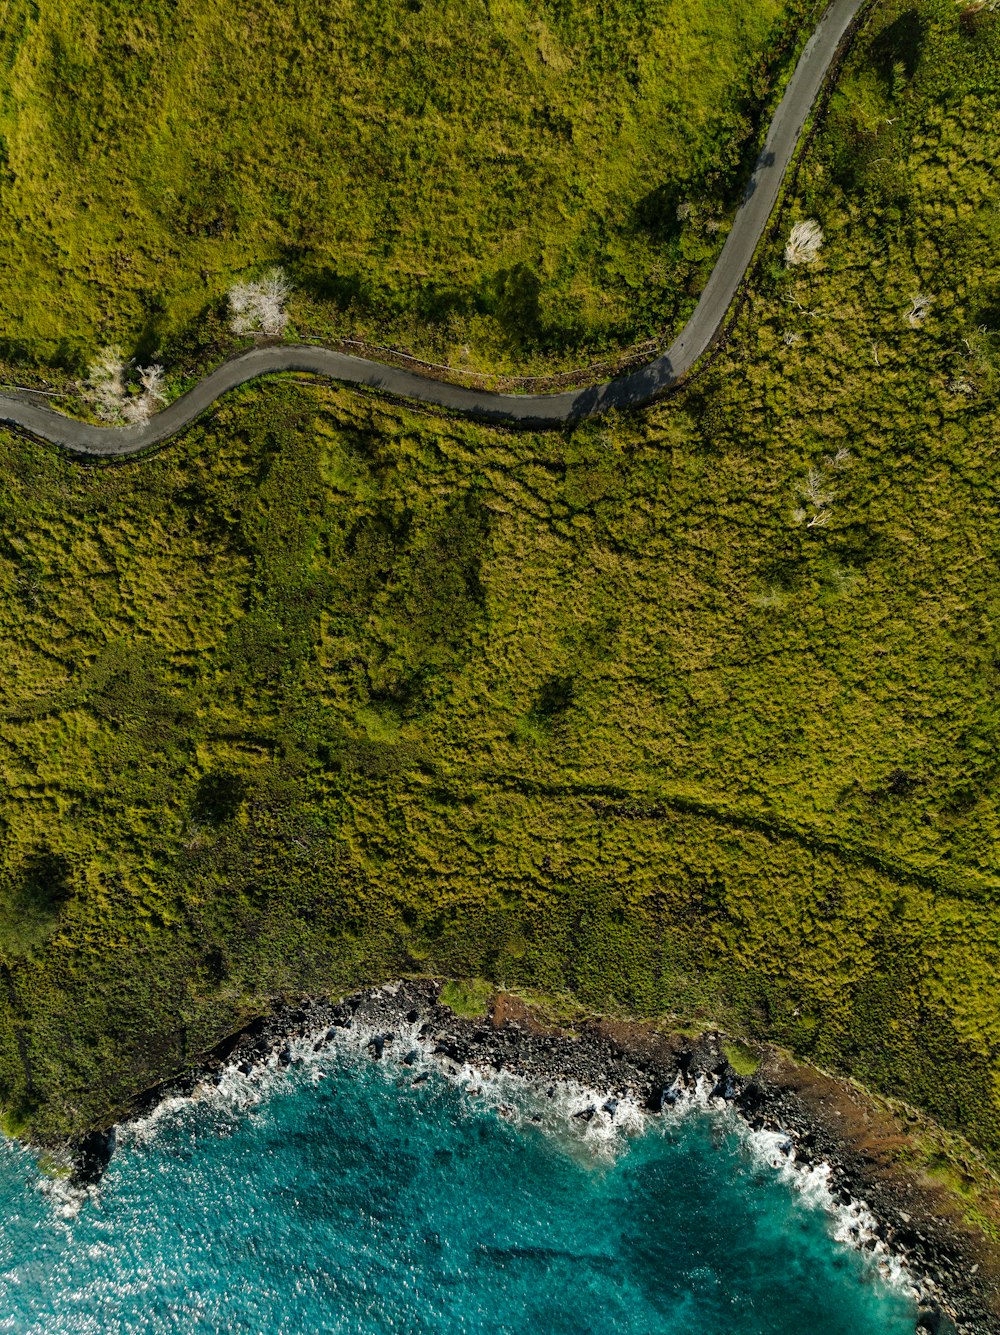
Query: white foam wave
(66,1197)
(580,1117)
(852,1223)
(584,1121)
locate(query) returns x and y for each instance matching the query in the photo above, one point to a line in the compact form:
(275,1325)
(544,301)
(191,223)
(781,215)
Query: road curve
(528,410)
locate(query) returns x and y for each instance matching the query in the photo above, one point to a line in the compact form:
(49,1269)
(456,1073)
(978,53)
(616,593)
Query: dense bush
(30,900)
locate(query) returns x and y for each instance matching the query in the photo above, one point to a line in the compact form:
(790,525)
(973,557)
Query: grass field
(331,690)
(496,185)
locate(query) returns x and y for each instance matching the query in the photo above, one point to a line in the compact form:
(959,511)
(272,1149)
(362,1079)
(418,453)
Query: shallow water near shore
(341,1196)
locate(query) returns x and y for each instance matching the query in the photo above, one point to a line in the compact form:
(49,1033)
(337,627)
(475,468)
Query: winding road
(528,410)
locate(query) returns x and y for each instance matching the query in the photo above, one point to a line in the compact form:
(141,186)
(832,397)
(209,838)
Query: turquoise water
(341,1197)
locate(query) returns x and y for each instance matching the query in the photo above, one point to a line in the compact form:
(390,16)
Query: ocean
(350,1195)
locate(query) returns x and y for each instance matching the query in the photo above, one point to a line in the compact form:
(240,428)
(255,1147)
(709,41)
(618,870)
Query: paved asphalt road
(531,410)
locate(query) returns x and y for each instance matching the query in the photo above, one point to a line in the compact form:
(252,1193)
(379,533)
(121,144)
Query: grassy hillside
(496,184)
(330,690)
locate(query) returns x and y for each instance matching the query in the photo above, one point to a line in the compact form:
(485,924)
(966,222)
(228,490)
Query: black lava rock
(93,1154)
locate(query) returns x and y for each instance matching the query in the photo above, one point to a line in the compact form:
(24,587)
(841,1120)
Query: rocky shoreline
(815,1118)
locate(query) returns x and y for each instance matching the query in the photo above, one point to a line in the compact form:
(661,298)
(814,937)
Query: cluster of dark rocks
(654,1074)
(926,1245)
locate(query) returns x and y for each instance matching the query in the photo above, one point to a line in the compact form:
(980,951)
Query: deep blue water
(346,1199)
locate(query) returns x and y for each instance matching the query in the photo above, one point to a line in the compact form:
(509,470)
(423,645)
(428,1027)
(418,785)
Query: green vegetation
(495,184)
(469,997)
(741,1058)
(30,899)
(330,691)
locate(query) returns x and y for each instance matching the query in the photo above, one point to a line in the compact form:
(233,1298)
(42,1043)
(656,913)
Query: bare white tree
(919,310)
(105,383)
(816,489)
(107,388)
(820,519)
(137,410)
(259,308)
(275,290)
(841,459)
(804,242)
(818,493)
(151,379)
(241,302)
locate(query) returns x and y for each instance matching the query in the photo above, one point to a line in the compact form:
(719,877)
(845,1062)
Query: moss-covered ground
(694,713)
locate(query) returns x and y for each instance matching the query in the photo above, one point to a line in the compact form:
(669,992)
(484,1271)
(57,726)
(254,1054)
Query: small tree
(919,310)
(105,383)
(151,379)
(259,308)
(137,410)
(107,388)
(30,903)
(804,242)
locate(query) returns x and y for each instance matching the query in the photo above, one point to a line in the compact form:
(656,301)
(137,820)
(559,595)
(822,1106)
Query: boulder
(93,1154)
(663,1096)
(936,1321)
